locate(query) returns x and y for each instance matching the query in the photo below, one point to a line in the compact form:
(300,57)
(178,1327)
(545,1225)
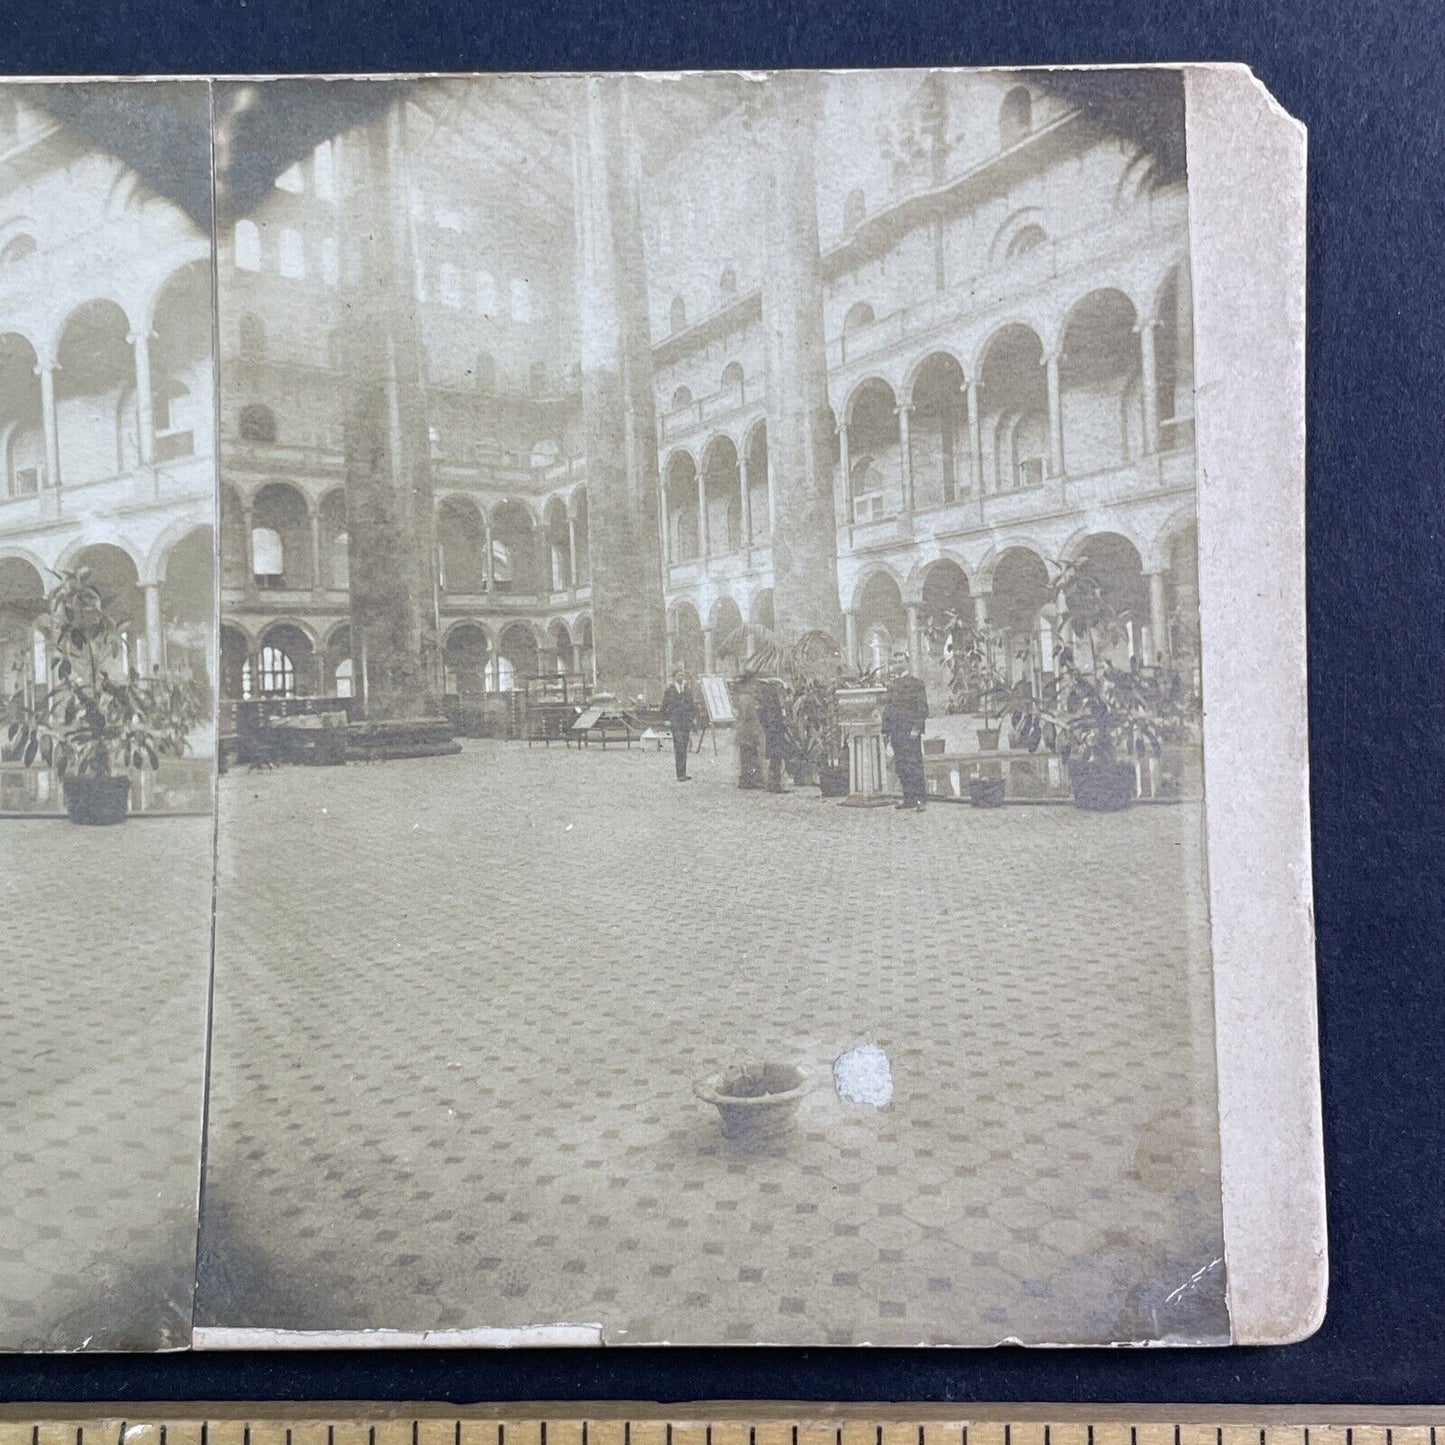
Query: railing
(171,446)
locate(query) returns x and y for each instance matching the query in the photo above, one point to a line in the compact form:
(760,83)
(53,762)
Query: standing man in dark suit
(905,714)
(679,707)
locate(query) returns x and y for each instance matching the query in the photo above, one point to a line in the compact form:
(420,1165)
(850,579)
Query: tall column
(487,559)
(618,401)
(707,651)
(1158,618)
(980,609)
(915,640)
(46,372)
(1056,416)
(975,443)
(850,640)
(572,552)
(248,546)
(317,581)
(745,498)
(805,535)
(703,539)
(843,506)
(1149,383)
(391,521)
(145,409)
(155,660)
(905,455)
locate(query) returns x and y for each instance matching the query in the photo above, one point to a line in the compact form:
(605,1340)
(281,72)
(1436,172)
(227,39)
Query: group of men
(763,730)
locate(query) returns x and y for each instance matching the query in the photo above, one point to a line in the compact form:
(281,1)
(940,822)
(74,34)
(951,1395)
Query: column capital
(1149,323)
(903,408)
(46,365)
(145,334)
(1052,358)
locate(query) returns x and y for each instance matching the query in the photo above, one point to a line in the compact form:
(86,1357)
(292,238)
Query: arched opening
(1013,405)
(677,315)
(681,398)
(517,656)
(1174,361)
(338,666)
(584,648)
(462,543)
(761,611)
(1099,384)
(20,423)
(23,665)
(723,494)
(113,571)
(730,649)
(466,656)
(875,482)
(1110,571)
(335,542)
(281,539)
(581,525)
(881,622)
(1020,608)
(180,356)
(685,638)
(94,390)
(559,545)
(684,536)
(734,383)
(559,648)
(759,501)
(246,246)
(938,436)
(1026,239)
(17,249)
(514,544)
(946,605)
(858,317)
(1015,117)
(187,598)
(257,424)
(284,665)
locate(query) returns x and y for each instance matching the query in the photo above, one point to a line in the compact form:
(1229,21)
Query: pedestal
(860,716)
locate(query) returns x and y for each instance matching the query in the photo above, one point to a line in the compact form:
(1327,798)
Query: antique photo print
(711,834)
(107,629)
(641,693)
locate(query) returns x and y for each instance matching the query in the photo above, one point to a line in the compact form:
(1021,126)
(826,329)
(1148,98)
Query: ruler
(720,1424)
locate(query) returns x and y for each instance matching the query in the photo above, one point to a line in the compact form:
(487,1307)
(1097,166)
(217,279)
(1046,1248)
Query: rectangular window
(521,292)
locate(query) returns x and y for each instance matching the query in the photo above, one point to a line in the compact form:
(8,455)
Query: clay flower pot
(756,1101)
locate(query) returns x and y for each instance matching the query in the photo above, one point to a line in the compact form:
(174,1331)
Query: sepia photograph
(107,636)
(711,839)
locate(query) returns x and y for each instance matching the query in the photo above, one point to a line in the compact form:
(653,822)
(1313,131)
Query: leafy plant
(91,724)
(1096,710)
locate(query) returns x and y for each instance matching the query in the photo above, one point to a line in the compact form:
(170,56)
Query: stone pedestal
(860,714)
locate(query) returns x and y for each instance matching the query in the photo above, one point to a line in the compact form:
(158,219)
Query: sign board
(716,700)
(588,720)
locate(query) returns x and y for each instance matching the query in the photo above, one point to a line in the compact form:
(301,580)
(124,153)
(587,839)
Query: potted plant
(975,678)
(820,737)
(1101,717)
(91,726)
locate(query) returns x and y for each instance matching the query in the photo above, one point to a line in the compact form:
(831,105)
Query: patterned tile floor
(104,965)
(461,1003)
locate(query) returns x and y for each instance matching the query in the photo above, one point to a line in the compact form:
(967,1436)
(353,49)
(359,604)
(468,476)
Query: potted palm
(93,727)
(1101,718)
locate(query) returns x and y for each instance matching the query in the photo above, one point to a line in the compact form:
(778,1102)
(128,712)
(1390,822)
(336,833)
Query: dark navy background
(1368,80)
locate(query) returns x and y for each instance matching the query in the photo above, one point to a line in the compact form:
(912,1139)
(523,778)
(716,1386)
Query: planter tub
(756,1101)
(988,740)
(833,782)
(97,800)
(986,792)
(1102,787)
